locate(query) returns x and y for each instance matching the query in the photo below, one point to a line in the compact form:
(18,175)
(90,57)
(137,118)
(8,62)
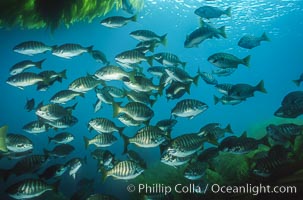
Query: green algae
(37,14)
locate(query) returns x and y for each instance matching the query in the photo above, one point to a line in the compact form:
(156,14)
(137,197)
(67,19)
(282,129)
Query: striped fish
(64,122)
(133,57)
(168,59)
(30,188)
(24,79)
(103,125)
(147,35)
(195,170)
(23,65)
(64,96)
(70,50)
(84,84)
(146,137)
(188,108)
(111,72)
(137,111)
(36,127)
(52,112)
(61,138)
(178,74)
(100,140)
(142,84)
(174,161)
(140,97)
(224,88)
(185,145)
(115,92)
(32,47)
(128,121)
(18,143)
(124,170)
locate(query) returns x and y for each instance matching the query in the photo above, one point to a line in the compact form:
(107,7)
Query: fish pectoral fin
(21,88)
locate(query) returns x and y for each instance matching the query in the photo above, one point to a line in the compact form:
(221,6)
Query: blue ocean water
(277,62)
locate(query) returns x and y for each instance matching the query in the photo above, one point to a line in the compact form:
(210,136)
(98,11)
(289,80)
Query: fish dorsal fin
(244,135)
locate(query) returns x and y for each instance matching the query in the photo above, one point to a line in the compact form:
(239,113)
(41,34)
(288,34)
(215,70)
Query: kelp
(36,14)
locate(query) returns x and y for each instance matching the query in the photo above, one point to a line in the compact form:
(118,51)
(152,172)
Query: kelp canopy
(35,14)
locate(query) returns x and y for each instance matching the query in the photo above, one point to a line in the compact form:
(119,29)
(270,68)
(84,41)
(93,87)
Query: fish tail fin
(264,140)
(152,102)
(187,88)
(3,132)
(216,99)
(90,48)
(116,108)
(163,39)
(196,79)
(86,142)
(104,174)
(264,37)
(228,11)
(149,60)
(228,129)
(125,142)
(134,18)
(297,82)
(260,87)
(63,74)
(120,130)
(56,186)
(246,60)
(222,31)
(132,75)
(39,63)
(160,89)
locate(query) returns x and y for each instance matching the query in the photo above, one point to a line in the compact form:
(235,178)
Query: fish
(133,57)
(147,35)
(3,135)
(165,80)
(28,164)
(69,50)
(146,137)
(30,104)
(250,41)
(298,81)
(142,84)
(178,74)
(60,151)
(224,88)
(242,144)
(135,110)
(15,155)
(166,124)
(61,138)
(209,12)
(104,125)
(288,129)
(243,91)
(128,121)
(117,21)
(149,45)
(208,78)
(18,143)
(100,140)
(174,161)
(213,132)
(227,100)
(36,127)
(188,108)
(140,97)
(30,188)
(74,165)
(64,96)
(105,157)
(156,70)
(223,72)
(53,171)
(124,170)
(111,72)
(31,48)
(176,90)
(226,60)
(85,83)
(62,123)
(24,65)
(185,145)
(195,170)
(168,59)
(205,31)
(52,112)
(135,157)
(276,157)
(51,77)
(103,96)
(99,56)
(115,92)
(24,79)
